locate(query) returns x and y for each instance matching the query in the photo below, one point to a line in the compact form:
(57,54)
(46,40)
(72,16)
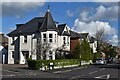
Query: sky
(79,16)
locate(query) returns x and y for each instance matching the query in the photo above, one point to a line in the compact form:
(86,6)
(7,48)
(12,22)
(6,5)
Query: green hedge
(36,64)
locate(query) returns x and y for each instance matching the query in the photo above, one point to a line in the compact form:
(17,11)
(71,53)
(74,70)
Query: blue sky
(80,16)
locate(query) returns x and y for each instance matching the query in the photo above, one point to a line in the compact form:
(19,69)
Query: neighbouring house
(77,38)
(93,44)
(3,48)
(23,40)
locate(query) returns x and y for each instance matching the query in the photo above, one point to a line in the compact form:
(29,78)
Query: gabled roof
(61,28)
(75,35)
(83,35)
(48,23)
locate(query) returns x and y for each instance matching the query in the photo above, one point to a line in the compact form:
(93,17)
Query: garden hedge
(37,64)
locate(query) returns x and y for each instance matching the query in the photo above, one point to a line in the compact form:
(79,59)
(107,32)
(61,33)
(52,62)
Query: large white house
(23,40)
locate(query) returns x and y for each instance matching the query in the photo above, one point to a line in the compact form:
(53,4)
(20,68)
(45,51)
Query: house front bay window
(50,38)
(44,37)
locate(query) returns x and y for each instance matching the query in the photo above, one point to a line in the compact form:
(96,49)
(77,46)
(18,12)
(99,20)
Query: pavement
(92,72)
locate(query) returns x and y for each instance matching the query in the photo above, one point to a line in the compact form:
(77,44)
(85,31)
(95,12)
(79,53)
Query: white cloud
(92,27)
(17,8)
(69,13)
(114,40)
(101,13)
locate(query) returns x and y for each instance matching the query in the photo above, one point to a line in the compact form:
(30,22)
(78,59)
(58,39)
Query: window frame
(13,54)
(44,37)
(25,39)
(51,38)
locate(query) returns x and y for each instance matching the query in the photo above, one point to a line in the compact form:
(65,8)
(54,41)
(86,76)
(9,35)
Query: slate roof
(75,35)
(83,35)
(61,28)
(48,23)
(38,24)
(28,28)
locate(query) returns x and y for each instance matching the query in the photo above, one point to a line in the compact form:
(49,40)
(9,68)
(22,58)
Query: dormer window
(50,37)
(25,39)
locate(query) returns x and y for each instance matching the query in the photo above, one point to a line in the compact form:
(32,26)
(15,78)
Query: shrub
(36,64)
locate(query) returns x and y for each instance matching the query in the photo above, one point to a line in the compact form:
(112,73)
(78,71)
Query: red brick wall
(73,43)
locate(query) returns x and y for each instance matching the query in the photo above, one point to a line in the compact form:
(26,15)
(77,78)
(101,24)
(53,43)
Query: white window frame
(25,39)
(51,38)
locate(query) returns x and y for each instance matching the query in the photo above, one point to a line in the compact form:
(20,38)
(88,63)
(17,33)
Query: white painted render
(94,46)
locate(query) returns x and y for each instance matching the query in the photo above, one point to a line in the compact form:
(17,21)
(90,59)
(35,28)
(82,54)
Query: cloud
(18,8)
(69,13)
(101,13)
(92,27)
(114,40)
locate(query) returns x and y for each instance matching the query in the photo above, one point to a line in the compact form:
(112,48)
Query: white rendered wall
(10,49)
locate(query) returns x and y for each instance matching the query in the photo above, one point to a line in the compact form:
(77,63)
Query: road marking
(102,69)
(103,76)
(74,77)
(93,72)
(69,70)
(10,75)
(10,71)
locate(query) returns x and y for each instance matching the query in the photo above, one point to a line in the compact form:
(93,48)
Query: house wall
(73,43)
(94,46)
(10,49)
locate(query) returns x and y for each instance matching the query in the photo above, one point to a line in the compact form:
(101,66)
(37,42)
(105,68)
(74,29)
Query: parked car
(109,60)
(100,61)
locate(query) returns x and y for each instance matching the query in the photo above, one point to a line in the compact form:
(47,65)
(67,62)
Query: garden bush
(37,64)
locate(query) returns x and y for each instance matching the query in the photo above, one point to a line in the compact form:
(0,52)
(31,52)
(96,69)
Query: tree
(100,36)
(60,52)
(42,48)
(85,51)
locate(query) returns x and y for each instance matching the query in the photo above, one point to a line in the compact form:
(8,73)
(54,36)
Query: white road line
(102,69)
(69,70)
(10,71)
(10,75)
(103,76)
(93,72)
(74,77)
